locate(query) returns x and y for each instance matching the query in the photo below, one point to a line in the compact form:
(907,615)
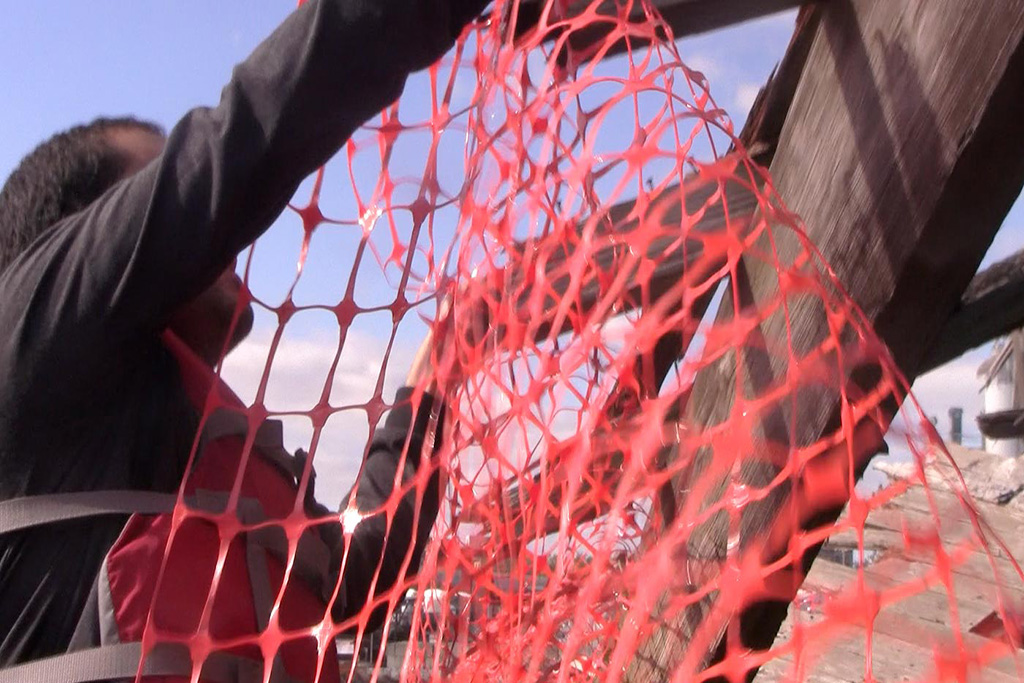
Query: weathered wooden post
(902,152)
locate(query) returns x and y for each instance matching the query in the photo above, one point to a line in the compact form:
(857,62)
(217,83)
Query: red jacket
(241,601)
(203,580)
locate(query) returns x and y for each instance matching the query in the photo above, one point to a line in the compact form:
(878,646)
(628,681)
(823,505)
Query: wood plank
(979,578)
(976,573)
(691,17)
(992,306)
(924,509)
(930,605)
(900,652)
(905,127)
(685,17)
(905,636)
(977,588)
(921,621)
(704,205)
(893,659)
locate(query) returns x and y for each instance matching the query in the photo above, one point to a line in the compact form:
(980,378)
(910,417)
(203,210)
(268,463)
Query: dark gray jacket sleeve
(77,302)
(379,546)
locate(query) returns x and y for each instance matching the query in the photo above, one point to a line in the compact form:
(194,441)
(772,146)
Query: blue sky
(69,61)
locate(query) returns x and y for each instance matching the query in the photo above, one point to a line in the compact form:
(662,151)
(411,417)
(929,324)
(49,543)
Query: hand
(527,19)
(462,12)
(422,369)
(438,23)
(457,337)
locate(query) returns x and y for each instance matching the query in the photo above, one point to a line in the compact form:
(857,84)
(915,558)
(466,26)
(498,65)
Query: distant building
(1002,376)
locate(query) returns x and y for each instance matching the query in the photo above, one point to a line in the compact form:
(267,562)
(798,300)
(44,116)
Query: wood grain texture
(992,306)
(685,17)
(920,621)
(617,257)
(905,127)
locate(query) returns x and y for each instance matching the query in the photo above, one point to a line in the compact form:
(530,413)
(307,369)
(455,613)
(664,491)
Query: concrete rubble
(990,478)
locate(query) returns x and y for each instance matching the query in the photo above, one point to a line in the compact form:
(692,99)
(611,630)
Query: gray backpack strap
(30,511)
(269,438)
(113,662)
(121,662)
(23,513)
(49,508)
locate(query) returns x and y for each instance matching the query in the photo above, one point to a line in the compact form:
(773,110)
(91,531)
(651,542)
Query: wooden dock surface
(931,594)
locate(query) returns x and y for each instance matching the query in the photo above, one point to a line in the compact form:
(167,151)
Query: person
(115,237)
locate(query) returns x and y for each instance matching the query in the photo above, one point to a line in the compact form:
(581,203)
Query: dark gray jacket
(89,397)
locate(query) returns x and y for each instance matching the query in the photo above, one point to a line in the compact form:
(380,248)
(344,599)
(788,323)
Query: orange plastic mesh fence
(586,221)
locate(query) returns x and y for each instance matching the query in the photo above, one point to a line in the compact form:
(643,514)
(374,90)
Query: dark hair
(61,177)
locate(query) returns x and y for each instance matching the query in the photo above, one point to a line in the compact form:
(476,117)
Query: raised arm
(395,528)
(98,280)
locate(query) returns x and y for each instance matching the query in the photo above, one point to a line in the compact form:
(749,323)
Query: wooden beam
(904,128)
(685,17)
(691,17)
(761,132)
(760,137)
(674,257)
(992,306)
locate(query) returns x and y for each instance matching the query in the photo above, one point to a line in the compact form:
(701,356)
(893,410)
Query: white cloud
(704,64)
(746,93)
(1010,237)
(300,368)
(953,385)
(299,372)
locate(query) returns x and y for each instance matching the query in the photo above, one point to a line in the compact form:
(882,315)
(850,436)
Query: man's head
(71,170)
(64,175)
